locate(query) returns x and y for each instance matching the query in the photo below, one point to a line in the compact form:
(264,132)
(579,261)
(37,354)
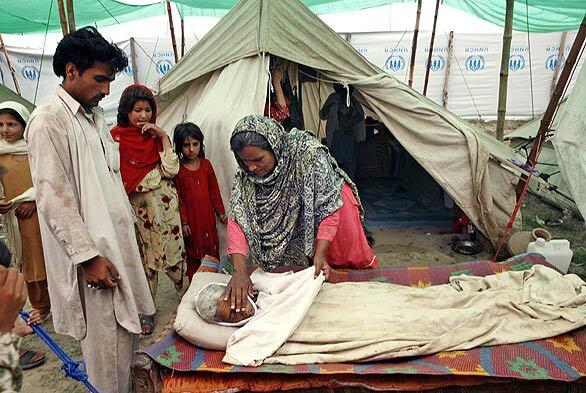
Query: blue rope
(73,369)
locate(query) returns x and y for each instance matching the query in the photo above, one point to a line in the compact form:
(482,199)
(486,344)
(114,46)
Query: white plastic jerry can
(557,252)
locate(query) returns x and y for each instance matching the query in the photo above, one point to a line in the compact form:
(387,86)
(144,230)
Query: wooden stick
(70,15)
(173,42)
(448,65)
(553,103)
(182,37)
(3,47)
(414,43)
(63,17)
(437,3)
(133,59)
(504,75)
(556,72)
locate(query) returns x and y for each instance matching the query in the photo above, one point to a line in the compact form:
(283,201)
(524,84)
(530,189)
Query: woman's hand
(25,210)
(240,285)
(321,265)
(238,289)
(319,259)
(223,218)
(186,231)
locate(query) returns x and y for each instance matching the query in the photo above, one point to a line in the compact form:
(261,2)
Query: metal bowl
(466,247)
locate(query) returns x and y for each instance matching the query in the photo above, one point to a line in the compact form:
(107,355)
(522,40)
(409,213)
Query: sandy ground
(398,247)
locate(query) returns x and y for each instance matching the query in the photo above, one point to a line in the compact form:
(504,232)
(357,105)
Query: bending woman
(290,206)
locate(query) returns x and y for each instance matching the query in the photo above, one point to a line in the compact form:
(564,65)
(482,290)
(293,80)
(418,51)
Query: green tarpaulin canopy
(8,95)
(32,16)
(221,7)
(534,15)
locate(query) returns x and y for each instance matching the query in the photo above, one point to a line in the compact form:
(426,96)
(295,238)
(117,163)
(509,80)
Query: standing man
(96,281)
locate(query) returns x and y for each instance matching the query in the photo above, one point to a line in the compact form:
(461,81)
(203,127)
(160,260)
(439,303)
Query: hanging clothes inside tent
(345,127)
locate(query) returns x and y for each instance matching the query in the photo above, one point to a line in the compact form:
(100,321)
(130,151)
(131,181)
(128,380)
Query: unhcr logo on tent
(552,62)
(437,63)
(395,63)
(475,63)
(30,72)
(163,66)
(516,63)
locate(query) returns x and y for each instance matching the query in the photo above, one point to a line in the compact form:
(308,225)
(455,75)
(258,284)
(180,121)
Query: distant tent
(8,95)
(551,185)
(562,162)
(225,77)
(569,141)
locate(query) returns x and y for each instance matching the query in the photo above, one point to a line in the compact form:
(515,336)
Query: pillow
(189,325)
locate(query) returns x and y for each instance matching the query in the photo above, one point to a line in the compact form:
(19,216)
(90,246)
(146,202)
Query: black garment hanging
(345,127)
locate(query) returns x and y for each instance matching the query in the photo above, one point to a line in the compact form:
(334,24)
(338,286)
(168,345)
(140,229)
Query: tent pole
(414,43)
(63,17)
(437,3)
(448,65)
(173,42)
(559,63)
(553,103)
(133,59)
(504,75)
(70,15)
(182,37)
(3,47)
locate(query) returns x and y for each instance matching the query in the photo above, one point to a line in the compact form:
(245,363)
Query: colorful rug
(561,358)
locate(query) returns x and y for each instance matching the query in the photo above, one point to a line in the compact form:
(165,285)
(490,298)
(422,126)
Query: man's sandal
(30,359)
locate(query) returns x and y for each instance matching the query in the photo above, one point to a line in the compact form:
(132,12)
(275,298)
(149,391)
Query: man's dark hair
(127,100)
(83,48)
(184,130)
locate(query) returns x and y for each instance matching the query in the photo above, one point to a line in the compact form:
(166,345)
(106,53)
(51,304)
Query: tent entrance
(396,192)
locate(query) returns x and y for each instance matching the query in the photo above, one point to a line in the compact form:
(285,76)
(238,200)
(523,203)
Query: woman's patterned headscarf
(280,213)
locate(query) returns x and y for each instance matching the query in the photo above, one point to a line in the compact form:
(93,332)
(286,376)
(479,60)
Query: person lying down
(297,319)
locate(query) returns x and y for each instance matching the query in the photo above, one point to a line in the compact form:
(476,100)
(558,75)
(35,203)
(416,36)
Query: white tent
(550,185)
(569,142)
(225,77)
(562,161)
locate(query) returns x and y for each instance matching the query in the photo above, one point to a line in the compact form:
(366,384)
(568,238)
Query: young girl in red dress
(199,197)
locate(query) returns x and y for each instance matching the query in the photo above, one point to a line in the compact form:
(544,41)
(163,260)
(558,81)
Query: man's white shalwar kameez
(84,212)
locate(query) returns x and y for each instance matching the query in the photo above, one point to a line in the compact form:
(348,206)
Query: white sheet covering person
(303,320)
(85,216)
